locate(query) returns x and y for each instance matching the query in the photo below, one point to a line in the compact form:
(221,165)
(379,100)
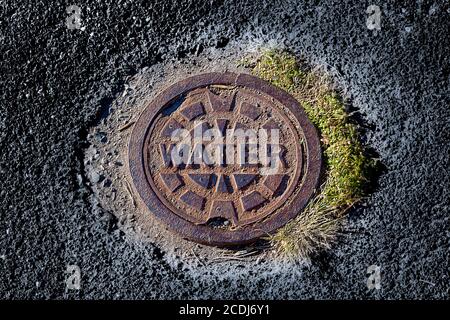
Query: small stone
(101,137)
(96,177)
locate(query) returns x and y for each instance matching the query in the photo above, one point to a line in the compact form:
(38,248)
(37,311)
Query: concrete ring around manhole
(224,159)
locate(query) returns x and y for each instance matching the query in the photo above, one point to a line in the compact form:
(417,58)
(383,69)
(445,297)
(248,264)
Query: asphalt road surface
(56,81)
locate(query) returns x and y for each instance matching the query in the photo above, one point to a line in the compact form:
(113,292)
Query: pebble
(96,177)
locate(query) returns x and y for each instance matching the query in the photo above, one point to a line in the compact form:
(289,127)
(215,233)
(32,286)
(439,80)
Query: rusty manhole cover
(224,158)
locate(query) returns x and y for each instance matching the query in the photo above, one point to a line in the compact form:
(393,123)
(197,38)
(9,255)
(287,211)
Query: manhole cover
(224,158)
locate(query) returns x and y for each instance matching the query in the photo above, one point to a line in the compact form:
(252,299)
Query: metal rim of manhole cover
(220,192)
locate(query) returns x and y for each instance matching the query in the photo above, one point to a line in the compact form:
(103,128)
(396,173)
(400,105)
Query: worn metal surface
(248,204)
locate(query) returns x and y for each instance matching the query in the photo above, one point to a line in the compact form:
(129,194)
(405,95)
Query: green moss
(345,164)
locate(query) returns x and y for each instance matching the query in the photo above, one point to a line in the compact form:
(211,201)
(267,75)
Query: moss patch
(346,167)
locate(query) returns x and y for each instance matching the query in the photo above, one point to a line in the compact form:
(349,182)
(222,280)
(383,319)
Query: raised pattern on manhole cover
(224,193)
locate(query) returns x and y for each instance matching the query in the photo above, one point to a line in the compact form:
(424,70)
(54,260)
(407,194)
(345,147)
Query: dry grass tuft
(345,164)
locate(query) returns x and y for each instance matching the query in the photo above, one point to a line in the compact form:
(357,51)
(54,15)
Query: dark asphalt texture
(56,83)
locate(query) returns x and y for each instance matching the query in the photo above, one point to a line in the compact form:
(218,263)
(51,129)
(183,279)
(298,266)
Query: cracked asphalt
(56,83)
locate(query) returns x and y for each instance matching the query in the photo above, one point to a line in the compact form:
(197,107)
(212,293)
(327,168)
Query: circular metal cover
(236,199)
